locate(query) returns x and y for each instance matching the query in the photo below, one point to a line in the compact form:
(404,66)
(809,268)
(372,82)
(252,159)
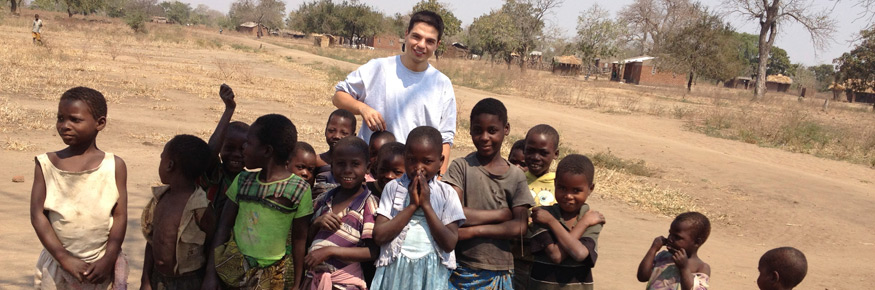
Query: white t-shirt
(405,98)
(37,25)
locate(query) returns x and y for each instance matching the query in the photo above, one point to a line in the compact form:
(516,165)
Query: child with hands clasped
(679,266)
(418,220)
(565,234)
(343,226)
(78,204)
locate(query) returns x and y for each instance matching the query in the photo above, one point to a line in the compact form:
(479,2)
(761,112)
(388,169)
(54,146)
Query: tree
(177,12)
(779,62)
(824,74)
(856,69)
(770,13)
(359,20)
(528,19)
(493,33)
(316,17)
(704,48)
(263,12)
(351,19)
(648,21)
(597,35)
(452,25)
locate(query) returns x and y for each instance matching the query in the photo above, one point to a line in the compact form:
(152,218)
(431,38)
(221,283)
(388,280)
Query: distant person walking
(37,27)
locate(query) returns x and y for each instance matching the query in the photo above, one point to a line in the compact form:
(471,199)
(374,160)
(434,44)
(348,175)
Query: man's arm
(372,118)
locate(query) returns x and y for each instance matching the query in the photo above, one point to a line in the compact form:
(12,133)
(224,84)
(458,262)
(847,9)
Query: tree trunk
(13,7)
(69,13)
(690,82)
(768,31)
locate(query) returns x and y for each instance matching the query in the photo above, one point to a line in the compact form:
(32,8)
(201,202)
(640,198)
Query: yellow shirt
(542,188)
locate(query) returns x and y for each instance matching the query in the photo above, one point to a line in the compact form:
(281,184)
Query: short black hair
(343,114)
(546,130)
(92,98)
(277,131)
(577,164)
(699,222)
(428,135)
(303,147)
(790,264)
(238,126)
(518,145)
(389,150)
(191,154)
(354,143)
(382,135)
(430,18)
(490,106)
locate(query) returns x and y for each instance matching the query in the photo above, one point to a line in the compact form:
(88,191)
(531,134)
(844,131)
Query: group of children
(256,209)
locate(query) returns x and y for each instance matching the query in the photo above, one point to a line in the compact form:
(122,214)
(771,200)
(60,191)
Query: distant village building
(160,19)
(863,96)
(325,40)
(642,70)
(456,50)
(567,65)
(253,29)
(739,83)
(778,83)
(384,41)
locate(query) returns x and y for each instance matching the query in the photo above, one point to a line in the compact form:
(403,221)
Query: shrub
(137,22)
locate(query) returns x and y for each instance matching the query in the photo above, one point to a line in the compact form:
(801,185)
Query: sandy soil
(764,197)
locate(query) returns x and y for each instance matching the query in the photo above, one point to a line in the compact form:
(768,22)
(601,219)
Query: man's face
(421,42)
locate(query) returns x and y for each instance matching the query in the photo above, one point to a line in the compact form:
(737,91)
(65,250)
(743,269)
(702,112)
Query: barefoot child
(496,203)
(389,166)
(781,268)
(341,123)
(269,211)
(679,266)
(418,219)
(79,202)
(517,154)
(303,162)
(227,143)
(343,223)
(565,234)
(178,223)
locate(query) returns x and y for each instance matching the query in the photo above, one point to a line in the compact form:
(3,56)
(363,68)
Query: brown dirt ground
(759,198)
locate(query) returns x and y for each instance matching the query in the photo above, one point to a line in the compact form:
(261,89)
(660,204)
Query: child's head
(349,162)
(303,162)
(184,156)
(389,164)
(341,123)
(378,139)
(688,231)
(232,147)
(574,182)
(423,152)
(81,115)
(517,154)
(782,268)
(489,126)
(36,16)
(271,138)
(542,147)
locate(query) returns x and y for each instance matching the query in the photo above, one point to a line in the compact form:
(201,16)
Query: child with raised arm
(679,265)
(341,123)
(496,203)
(781,269)
(79,202)
(343,223)
(178,223)
(418,219)
(303,162)
(226,143)
(269,211)
(565,234)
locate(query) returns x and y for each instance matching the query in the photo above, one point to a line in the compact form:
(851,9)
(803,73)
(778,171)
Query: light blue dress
(418,266)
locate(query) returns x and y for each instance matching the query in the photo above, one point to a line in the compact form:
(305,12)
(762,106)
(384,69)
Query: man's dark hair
(699,222)
(430,18)
(490,106)
(382,135)
(790,264)
(278,132)
(577,164)
(354,143)
(546,130)
(428,135)
(191,154)
(343,114)
(92,98)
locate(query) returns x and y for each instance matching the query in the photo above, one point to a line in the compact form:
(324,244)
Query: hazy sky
(792,37)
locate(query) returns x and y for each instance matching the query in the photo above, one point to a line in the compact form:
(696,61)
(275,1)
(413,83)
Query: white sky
(791,37)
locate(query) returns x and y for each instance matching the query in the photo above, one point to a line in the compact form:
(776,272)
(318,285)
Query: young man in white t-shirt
(37,27)
(402,92)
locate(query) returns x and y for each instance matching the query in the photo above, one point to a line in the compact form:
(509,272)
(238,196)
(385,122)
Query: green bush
(137,22)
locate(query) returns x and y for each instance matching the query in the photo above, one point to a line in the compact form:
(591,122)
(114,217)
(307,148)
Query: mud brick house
(643,70)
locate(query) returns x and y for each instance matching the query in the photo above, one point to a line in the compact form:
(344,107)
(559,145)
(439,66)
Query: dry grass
(17,145)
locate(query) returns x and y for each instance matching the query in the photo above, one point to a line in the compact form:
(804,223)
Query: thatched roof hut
(567,65)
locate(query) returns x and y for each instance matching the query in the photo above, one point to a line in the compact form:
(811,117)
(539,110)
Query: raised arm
(218,136)
(372,118)
(645,269)
(44,231)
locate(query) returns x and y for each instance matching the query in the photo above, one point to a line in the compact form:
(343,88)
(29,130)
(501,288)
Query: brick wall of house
(649,76)
(384,41)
